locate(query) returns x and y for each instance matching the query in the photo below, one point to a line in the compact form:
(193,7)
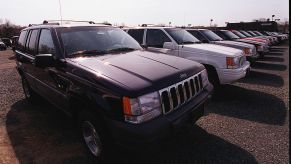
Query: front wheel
(92,135)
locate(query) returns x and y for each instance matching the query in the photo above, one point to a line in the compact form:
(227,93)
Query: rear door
(25,55)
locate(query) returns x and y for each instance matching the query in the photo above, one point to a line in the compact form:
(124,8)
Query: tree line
(8,29)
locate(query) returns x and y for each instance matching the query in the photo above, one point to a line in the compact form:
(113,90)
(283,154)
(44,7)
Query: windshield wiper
(121,49)
(87,53)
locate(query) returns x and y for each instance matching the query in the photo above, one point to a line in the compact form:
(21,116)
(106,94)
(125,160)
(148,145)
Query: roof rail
(65,21)
(152,25)
(105,23)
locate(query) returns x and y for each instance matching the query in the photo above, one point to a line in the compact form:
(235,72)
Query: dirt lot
(247,122)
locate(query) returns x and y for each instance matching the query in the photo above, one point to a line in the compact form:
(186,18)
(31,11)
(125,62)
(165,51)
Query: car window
(181,36)
(197,35)
(137,34)
(156,38)
(31,49)
(230,34)
(21,40)
(46,44)
(211,35)
(97,40)
(239,34)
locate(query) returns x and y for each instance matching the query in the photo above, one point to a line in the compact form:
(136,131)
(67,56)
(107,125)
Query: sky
(135,12)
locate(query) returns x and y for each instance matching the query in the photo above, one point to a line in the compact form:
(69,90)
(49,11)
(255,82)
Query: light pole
(273,17)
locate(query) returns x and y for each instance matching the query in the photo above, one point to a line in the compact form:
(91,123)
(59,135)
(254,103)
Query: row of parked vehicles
(133,87)
(227,58)
(6,42)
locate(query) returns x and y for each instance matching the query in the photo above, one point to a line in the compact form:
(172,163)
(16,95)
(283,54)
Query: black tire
(90,125)
(212,75)
(29,94)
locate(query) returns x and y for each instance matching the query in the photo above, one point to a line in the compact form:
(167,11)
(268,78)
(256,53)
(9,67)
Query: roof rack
(59,22)
(152,25)
(66,21)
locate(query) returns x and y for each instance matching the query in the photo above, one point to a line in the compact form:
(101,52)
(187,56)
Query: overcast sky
(134,12)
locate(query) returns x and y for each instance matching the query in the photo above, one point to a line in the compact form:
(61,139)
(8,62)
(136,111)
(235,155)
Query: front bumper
(228,76)
(138,136)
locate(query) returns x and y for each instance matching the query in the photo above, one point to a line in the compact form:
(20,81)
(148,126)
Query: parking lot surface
(246,122)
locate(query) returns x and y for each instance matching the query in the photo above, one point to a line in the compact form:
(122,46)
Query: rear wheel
(28,92)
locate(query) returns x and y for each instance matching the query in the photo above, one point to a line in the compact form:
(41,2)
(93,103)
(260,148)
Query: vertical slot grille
(178,94)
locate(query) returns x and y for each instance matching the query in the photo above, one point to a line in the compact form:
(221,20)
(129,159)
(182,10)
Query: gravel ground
(247,122)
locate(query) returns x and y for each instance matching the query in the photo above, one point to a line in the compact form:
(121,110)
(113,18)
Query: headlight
(232,62)
(141,109)
(247,51)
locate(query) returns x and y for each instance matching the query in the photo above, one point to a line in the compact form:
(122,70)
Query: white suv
(224,64)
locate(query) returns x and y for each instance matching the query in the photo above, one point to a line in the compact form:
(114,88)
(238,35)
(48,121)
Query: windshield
(230,35)
(181,36)
(95,40)
(211,35)
(253,34)
(239,34)
(257,32)
(246,34)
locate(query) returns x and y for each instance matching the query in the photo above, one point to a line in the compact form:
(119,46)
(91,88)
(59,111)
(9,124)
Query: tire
(212,75)
(29,94)
(93,135)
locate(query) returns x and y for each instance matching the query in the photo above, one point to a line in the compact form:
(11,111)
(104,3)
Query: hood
(250,41)
(235,44)
(140,70)
(213,49)
(257,39)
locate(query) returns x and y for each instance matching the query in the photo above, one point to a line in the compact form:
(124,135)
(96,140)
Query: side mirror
(43,60)
(169,45)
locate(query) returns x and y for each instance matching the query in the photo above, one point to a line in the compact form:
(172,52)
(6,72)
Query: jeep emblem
(183,75)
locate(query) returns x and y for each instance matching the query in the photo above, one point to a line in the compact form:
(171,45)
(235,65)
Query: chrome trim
(25,55)
(197,88)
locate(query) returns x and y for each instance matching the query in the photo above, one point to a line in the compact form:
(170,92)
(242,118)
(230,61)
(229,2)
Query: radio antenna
(60,6)
(183,31)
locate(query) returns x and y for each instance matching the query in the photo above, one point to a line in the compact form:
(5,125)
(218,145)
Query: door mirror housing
(169,45)
(44,60)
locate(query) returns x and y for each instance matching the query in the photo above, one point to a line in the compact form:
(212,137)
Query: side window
(198,35)
(31,49)
(46,44)
(21,41)
(219,33)
(156,38)
(137,34)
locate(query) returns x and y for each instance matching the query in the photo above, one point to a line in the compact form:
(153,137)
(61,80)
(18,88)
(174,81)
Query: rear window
(21,40)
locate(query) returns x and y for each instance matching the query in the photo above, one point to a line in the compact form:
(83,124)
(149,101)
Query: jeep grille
(178,94)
